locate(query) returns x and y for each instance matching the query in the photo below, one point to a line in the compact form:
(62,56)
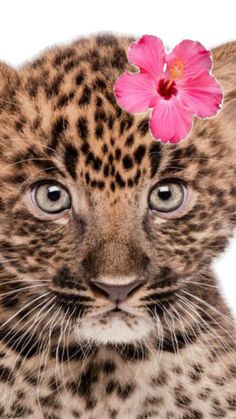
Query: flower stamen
(176,70)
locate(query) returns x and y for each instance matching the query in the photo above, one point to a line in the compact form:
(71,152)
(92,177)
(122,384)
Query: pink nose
(117,293)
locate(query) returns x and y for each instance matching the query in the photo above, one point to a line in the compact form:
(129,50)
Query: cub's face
(99,224)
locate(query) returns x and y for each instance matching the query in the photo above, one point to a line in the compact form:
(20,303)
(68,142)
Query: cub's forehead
(69,103)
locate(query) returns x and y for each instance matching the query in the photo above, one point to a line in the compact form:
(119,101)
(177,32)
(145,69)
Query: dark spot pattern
(82,127)
(58,129)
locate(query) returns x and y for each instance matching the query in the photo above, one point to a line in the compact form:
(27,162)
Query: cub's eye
(51,197)
(167,196)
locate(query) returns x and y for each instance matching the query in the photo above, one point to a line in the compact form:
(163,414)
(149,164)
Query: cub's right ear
(224,68)
(9,81)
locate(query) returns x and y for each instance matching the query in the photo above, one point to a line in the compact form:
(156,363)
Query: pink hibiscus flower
(176,86)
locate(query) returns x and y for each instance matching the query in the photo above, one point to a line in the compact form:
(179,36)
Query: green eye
(167,196)
(51,197)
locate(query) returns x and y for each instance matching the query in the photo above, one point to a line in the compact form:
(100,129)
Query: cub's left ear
(224,69)
(9,81)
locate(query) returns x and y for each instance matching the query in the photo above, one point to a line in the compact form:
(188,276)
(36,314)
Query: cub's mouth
(115,313)
(113,326)
(102,321)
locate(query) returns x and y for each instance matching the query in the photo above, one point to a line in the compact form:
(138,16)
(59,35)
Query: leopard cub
(109,306)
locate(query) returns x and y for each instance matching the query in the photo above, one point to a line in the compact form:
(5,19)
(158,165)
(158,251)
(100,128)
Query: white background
(28,26)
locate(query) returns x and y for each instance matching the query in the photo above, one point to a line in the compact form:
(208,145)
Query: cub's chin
(113,327)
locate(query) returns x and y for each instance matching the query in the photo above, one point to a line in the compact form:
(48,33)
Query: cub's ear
(224,69)
(9,81)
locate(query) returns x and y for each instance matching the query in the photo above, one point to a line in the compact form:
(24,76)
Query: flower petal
(171,121)
(193,55)
(202,94)
(148,53)
(135,92)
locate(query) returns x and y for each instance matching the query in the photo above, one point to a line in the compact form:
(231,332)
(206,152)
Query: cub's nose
(116,293)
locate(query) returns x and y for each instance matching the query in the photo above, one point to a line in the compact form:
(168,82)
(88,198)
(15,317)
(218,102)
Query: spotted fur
(61,356)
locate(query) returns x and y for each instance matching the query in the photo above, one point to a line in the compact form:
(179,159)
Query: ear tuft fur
(9,81)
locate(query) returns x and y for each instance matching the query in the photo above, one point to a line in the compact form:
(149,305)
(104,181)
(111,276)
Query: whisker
(199,284)
(210,307)
(37,318)
(44,355)
(215,323)
(16,282)
(67,344)
(24,324)
(174,340)
(3,261)
(185,336)
(21,289)
(210,332)
(23,308)
(57,357)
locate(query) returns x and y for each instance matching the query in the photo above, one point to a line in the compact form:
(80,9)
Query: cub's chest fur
(128,382)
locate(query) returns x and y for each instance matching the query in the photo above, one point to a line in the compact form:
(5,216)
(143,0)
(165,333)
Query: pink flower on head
(176,86)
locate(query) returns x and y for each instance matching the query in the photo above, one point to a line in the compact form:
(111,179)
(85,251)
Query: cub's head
(100,226)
